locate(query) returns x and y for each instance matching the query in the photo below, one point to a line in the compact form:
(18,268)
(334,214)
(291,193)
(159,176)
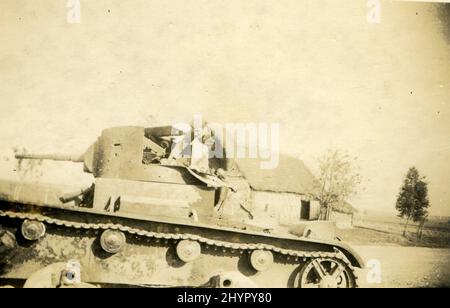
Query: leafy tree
(412,201)
(337,180)
(420,226)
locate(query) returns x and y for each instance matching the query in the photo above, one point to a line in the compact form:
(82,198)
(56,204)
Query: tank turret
(128,152)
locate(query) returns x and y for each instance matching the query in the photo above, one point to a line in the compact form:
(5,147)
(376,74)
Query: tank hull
(149,256)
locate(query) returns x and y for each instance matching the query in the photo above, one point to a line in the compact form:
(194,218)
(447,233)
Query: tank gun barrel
(58,157)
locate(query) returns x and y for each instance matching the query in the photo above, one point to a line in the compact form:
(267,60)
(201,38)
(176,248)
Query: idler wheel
(326,273)
(33,230)
(112,241)
(261,260)
(188,250)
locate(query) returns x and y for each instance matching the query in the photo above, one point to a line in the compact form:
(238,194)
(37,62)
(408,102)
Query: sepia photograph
(199,145)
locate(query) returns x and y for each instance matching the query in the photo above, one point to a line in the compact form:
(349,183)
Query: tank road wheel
(188,250)
(261,260)
(112,241)
(326,273)
(32,230)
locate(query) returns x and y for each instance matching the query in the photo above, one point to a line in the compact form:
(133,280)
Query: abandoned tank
(154,216)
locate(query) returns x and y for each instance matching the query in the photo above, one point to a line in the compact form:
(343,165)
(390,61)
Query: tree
(420,226)
(337,181)
(412,200)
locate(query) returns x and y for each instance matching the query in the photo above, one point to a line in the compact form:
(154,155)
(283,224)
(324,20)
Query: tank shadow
(98,251)
(244,265)
(172,258)
(293,278)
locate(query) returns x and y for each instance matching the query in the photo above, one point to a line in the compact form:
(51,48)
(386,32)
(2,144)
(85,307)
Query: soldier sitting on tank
(192,150)
(201,147)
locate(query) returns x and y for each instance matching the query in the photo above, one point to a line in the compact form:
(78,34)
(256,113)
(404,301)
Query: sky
(318,68)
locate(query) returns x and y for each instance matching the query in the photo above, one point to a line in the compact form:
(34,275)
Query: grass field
(385,229)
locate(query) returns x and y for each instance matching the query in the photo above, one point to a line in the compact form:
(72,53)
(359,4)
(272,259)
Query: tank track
(209,243)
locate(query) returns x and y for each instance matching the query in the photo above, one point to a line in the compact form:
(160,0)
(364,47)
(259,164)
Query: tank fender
(350,253)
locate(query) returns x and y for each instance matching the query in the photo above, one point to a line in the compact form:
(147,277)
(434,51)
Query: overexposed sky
(318,68)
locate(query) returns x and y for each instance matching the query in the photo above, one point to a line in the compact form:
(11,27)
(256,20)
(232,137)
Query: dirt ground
(404,261)
(407,266)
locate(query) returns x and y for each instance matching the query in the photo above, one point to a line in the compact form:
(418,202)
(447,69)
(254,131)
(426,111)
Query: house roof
(345,208)
(291,175)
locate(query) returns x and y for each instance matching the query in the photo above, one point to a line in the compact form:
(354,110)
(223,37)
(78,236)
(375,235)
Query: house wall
(285,208)
(343,221)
